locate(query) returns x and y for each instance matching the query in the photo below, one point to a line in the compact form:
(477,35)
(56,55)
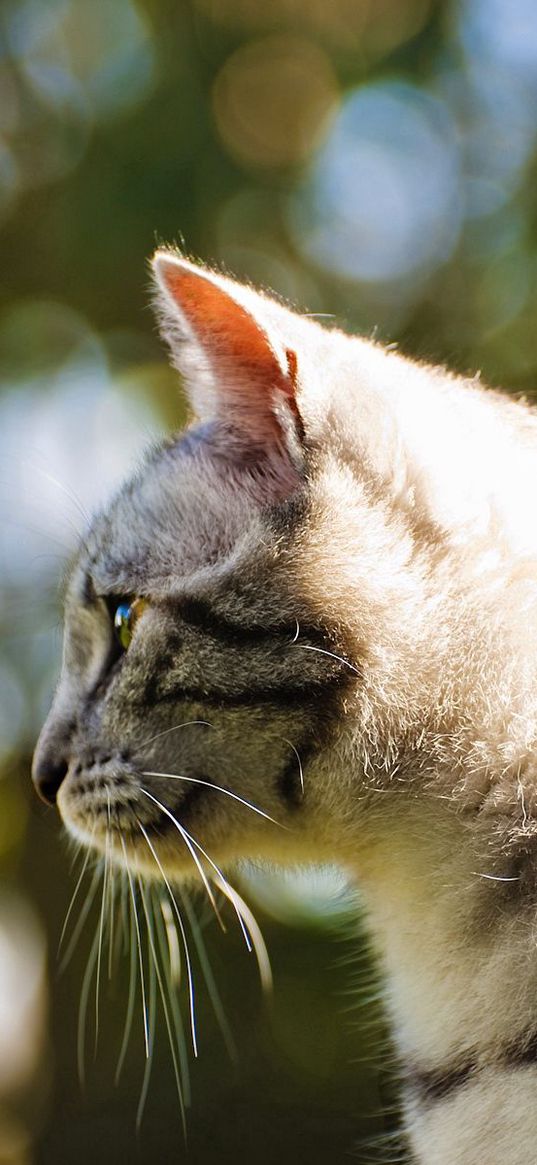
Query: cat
(320,600)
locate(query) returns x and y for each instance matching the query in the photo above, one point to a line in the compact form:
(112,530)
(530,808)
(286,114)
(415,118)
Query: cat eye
(126,616)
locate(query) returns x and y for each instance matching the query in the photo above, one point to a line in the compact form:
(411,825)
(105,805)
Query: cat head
(209,653)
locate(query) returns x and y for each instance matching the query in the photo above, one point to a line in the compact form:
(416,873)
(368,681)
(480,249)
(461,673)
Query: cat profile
(316,607)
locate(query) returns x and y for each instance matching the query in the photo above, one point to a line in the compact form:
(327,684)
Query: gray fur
(383,587)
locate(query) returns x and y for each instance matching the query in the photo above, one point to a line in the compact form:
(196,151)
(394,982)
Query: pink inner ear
(247,372)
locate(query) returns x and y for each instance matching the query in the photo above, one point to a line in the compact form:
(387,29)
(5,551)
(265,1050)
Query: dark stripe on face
(198,613)
(284,696)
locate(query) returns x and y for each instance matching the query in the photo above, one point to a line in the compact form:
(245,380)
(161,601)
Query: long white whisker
(219,789)
(111,915)
(208,974)
(176,727)
(165,1009)
(183,937)
(100,949)
(191,850)
(73,900)
(299,762)
(152,1016)
(130,1001)
(258,941)
(331,654)
(126,916)
(139,945)
(81,919)
(241,909)
(172,994)
(174,951)
(78,850)
(111,892)
(189,841)
(83,1006)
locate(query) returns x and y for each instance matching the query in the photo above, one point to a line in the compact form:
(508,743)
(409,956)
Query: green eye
(125,618)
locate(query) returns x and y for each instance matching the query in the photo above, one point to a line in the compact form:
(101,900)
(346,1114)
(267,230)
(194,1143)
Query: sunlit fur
(339,657)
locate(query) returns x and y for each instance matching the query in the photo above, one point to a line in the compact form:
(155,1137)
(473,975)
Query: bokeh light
(383,199)
(82,58)
(373,161)
(272,99)
(369,27)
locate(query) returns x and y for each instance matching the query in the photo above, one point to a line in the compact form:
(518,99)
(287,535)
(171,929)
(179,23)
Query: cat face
(203,670)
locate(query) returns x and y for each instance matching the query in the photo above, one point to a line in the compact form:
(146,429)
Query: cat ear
(236,369)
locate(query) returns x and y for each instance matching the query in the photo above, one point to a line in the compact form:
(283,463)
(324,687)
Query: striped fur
(340,558)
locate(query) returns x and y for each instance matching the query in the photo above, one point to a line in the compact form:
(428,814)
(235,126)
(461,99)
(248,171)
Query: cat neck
(458,954)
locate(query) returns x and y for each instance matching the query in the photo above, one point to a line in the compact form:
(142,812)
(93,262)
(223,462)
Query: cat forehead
(177,516)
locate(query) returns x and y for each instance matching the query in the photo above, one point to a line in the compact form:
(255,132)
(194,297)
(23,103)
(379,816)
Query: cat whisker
(152,1016)
(300,769)
(111,917)
(253,930)
(73,899)
(139,947)
(130,1000)
(78,849)
(188,962)
(188,842)
(125,914)
(83,1006)
(221,880)
(160,902)
(219,789)
(111,892)
(174,953)
(206,971)
(176,727)
(331,654)
(100,947)
(165,1008)
(88,902)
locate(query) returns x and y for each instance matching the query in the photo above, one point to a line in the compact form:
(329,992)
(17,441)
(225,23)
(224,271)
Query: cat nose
(48,772)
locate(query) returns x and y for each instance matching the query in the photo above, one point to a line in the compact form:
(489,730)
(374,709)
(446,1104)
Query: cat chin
(123,850)
(137,848)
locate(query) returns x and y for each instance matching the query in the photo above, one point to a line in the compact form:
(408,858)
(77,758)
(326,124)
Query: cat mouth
(111,803)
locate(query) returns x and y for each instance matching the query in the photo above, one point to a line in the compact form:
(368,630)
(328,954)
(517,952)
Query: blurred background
(374,160)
